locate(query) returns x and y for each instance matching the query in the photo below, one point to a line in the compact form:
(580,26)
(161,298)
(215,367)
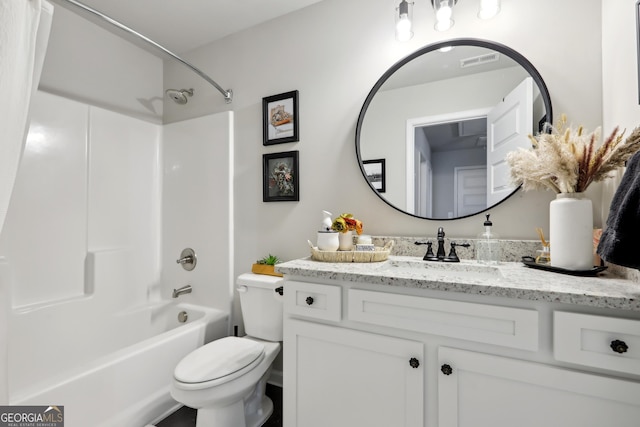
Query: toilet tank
(261,305)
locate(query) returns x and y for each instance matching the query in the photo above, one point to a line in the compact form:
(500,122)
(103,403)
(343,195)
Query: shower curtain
(24,34)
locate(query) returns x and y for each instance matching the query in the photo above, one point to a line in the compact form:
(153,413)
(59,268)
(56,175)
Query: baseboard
(275,378)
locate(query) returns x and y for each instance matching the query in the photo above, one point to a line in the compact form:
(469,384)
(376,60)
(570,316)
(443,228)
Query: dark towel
(620,241)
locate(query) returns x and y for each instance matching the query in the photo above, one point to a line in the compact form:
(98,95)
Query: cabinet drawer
(598,341)
(505,326)
(313,300)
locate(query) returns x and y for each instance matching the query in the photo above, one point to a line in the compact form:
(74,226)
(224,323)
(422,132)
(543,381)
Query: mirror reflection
(442,120)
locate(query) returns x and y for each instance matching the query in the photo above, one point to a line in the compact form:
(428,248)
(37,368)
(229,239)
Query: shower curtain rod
(227,93)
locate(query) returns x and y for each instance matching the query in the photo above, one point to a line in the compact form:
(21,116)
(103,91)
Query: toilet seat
(218,362)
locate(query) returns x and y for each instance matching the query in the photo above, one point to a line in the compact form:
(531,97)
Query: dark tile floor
(186,417)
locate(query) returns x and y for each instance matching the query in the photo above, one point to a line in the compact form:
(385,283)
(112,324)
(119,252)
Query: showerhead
(179,96)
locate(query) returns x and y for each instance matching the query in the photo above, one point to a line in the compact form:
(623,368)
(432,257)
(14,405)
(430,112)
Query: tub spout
(180,291)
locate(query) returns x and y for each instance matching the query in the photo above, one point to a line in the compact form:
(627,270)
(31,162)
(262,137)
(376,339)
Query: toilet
(225,379)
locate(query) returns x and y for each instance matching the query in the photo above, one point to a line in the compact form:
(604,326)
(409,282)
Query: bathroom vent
(479,60)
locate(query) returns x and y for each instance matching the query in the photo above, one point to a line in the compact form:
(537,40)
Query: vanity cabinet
(484,390)
(373,355)
(347,378)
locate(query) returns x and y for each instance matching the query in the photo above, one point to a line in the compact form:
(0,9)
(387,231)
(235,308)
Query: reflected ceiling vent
(479,60)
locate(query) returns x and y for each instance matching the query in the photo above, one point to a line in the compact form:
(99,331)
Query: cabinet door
(481,390)
(335,377)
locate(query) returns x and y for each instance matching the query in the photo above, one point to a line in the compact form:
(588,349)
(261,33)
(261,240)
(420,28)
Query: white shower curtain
(24,34)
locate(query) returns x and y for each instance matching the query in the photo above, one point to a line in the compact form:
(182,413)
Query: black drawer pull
(446,369)
(309,300)
(619,346)
(414,363)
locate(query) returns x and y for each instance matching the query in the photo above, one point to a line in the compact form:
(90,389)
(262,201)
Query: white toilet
(225,380)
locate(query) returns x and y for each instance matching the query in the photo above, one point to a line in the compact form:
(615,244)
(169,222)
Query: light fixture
(404,18)
(444,14)
(488,9)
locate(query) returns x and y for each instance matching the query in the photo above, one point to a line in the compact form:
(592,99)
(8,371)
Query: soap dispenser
(327,238)
(488,250)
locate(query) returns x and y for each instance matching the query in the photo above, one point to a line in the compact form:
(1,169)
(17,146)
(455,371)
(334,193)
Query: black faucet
(440,252)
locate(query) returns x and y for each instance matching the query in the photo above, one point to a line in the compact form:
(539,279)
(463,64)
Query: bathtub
(128,387)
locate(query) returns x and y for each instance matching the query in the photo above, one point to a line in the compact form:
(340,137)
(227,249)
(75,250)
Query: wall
(620,104)
(333,52)
(197,208)
(87,63)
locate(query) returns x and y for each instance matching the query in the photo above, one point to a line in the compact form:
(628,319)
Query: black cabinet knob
(279,290)
(446,369)
(619,346)
(414,363)
(309,300)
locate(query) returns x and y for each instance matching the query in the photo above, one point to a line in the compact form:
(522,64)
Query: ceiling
(183,25)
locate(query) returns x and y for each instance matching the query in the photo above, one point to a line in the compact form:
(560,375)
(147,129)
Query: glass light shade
(444,12)
(489,9)
(404,17)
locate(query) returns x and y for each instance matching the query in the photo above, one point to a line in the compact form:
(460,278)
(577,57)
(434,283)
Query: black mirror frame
(521,60)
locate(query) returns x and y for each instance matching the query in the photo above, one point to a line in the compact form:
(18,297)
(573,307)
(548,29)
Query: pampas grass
(568,159)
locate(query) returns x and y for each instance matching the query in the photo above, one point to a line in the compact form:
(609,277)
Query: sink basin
(441,269)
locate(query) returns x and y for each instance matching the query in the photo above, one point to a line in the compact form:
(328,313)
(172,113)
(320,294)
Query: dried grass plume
(568,159)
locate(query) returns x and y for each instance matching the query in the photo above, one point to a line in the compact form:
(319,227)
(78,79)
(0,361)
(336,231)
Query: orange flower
(346,222)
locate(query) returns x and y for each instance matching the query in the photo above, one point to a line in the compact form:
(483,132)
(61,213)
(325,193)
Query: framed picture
(280,118)
(375,173)
(280,178)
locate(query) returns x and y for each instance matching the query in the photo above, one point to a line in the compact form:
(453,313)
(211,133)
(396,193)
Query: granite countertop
(508,279)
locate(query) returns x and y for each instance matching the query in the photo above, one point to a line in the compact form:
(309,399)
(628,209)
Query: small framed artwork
(375,171)
(280,118)
(280,178)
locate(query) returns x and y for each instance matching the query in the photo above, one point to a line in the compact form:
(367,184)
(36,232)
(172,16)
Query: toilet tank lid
(217,359)
(260,280)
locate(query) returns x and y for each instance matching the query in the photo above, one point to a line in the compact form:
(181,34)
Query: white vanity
(407,343)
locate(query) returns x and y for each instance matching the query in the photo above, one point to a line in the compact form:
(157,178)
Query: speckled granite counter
(509,280)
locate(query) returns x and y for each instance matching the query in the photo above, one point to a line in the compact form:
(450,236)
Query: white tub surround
(412,343)
(87,267)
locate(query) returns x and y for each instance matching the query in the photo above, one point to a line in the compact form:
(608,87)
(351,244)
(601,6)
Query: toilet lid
(218,359)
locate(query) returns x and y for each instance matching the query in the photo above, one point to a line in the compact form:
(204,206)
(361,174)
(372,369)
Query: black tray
(531,262)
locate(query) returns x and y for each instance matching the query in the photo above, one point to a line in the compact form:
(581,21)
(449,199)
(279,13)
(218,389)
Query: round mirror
(433,133)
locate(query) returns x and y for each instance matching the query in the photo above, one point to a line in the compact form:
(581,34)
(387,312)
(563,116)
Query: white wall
(90,64)
(197,208)
(619,75)
(333,52)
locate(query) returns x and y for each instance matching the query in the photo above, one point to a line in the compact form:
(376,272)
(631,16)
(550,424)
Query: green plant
(269,260)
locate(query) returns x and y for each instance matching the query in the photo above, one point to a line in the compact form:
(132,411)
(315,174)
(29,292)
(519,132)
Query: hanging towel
(620,241)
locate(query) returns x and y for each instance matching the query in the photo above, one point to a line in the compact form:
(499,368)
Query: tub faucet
(180,291)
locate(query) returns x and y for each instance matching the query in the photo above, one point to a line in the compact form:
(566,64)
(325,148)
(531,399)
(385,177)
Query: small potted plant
(266,266)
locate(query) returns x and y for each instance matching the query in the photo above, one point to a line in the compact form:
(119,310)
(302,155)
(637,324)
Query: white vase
(346,241)
(328,240)
(571,232)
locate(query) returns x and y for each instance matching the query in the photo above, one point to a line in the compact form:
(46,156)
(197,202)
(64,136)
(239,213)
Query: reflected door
(470,190)
(508,125)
